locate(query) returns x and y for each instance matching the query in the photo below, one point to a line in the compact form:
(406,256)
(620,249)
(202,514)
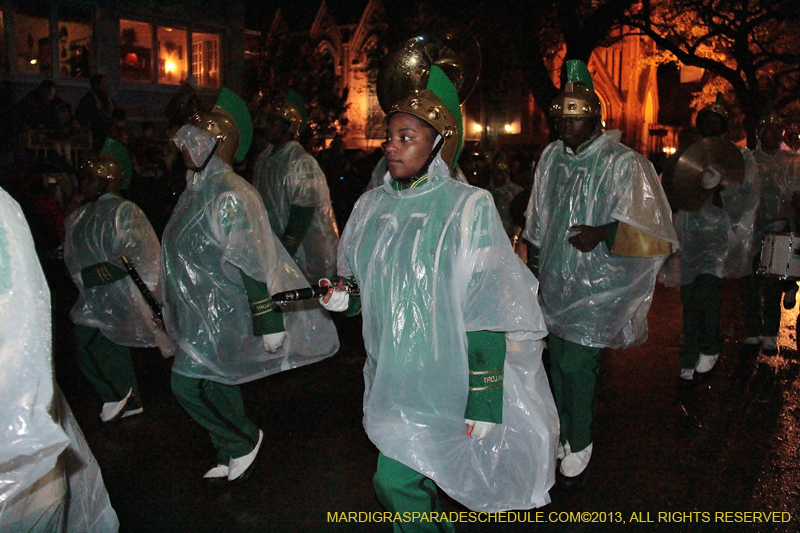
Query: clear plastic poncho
(288,176)
(219,227)
(595,298)
(30,439)
(433,263)
(37,490)
(779,178)
(89,509)
(718,240)
(102,231)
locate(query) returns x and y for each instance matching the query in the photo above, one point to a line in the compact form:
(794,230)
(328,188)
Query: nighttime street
(725,444)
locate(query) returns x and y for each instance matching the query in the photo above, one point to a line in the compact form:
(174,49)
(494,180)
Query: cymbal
(683,174)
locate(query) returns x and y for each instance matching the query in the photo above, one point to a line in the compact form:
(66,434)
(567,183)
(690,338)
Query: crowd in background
(52,139)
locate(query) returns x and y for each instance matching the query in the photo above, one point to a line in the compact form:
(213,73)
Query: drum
(780,256)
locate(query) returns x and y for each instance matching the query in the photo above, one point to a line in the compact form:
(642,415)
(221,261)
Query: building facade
(144,47)
(628,91)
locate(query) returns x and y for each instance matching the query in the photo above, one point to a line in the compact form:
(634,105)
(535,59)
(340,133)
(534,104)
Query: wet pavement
(667,457)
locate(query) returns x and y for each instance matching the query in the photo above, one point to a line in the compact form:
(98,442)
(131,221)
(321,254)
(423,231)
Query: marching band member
(221,262)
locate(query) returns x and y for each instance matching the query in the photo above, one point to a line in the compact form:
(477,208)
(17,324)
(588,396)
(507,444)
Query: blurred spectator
(119,126)
(156,185)
(95,110)
(503,190)
(37,109)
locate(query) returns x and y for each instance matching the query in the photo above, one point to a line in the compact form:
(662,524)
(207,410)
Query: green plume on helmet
(718,107)
(578,71)
(440,85)
(237,109)
(118,151)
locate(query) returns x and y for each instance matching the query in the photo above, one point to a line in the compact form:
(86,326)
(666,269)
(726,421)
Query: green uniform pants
(701,309)
(573,370)
(107,365)
(219,409)
(761,318)
(404,490)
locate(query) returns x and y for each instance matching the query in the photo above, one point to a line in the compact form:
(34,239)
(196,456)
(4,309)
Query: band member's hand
(712,176)
(336,299)
(587,238)
(273,341)
(478,430)
(165,344)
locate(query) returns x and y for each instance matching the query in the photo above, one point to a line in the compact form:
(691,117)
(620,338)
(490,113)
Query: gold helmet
(292,109)
(425,105)
(771,118)
(219,124)
(716,108)
(578,99)
(104,166)
(429,77)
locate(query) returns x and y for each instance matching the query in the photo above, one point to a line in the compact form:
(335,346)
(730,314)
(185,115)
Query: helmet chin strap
(213,151)
(424,168)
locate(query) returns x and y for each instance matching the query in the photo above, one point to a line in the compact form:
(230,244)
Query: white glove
(165,344)
(712,176)
(338,302)
(273,341)
(479,429)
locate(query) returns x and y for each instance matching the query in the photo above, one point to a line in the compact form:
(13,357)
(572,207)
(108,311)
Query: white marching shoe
(216,472)
(573,464)
(238,466)
(706,363)
(114,410)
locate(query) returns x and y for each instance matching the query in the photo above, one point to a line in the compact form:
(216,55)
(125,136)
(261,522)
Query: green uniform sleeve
(299,221)
(101,274)
(267,316)
(487,355)
(611,233)
(353,306)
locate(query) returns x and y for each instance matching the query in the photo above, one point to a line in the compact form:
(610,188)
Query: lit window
(75,42)
(136,50)
(205,59)
(172,62)
(34,52)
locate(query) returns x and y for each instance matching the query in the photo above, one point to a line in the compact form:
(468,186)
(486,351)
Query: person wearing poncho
(49,479)
(715,243)
(451,329)
(603,228)
(111,315)
(221,263)
(779,178)
(295,192)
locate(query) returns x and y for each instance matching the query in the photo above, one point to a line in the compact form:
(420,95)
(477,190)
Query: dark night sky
(300,13)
